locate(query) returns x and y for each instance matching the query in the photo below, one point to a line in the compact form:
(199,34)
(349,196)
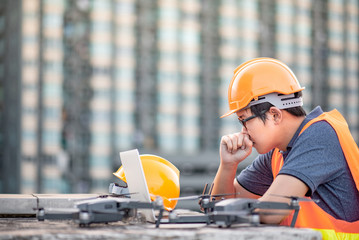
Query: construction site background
(81,80)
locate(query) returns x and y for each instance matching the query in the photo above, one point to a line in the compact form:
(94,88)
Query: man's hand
(234,148)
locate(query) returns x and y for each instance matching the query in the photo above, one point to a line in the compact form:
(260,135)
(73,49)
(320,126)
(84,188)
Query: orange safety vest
(310,214)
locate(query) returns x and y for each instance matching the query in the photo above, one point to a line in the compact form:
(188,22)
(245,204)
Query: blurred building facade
(82,80)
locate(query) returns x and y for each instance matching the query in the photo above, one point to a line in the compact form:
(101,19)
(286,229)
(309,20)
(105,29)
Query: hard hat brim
(229,113)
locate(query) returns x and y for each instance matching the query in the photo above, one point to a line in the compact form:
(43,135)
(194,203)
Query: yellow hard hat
(258,77)
(162,179)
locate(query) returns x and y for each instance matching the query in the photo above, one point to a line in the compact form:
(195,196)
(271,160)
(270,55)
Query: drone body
(247,210)
(234,211)
(104,210)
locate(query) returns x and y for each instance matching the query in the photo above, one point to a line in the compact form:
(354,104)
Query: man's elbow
(273,216)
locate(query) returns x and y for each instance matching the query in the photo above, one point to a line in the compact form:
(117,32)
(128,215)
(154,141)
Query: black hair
(263,107)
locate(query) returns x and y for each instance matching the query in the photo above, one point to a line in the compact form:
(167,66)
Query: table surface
(31,228)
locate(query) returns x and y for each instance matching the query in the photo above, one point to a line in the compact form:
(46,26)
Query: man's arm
(226,182)
(243,193)
(234,148)
(283,185)
(223,181)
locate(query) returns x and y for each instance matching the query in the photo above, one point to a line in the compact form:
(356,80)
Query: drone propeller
(300,199)
(106,196)
(246,213)
(116,195)
(203,196)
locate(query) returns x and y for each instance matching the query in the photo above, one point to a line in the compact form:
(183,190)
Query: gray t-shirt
(316,158)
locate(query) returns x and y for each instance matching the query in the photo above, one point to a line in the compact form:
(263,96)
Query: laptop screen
(136,180)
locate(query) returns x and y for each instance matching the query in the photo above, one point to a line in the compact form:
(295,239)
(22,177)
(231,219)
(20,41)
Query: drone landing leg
(295,215)
(158,221)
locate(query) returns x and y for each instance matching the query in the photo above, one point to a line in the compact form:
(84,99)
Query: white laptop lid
(136,180)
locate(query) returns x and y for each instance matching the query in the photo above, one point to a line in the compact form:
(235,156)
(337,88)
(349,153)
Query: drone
(103,209)
(247,210)
(226,212)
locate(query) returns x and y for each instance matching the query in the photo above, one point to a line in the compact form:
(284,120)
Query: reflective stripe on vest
(310,214)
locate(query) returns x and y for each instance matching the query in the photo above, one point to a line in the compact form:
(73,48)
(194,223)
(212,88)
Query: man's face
(259,132)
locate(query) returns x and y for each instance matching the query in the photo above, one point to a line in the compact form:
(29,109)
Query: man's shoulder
(319,138)
(320,129)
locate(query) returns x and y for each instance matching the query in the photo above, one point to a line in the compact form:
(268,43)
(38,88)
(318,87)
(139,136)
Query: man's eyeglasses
(243,122)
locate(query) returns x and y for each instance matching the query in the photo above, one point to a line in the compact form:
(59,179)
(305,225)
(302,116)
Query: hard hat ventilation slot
(257,99)
(281,101)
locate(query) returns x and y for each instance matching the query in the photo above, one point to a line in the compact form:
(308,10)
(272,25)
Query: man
(300,155)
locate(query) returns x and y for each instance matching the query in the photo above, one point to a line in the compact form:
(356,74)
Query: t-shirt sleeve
(257,177)
(315,156)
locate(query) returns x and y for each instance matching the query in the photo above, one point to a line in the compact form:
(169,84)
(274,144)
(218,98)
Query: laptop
(136,180)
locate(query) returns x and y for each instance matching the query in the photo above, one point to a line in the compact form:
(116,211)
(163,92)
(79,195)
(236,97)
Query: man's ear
(276,114)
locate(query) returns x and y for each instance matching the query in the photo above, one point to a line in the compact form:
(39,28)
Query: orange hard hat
(258,77)
(162,179)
